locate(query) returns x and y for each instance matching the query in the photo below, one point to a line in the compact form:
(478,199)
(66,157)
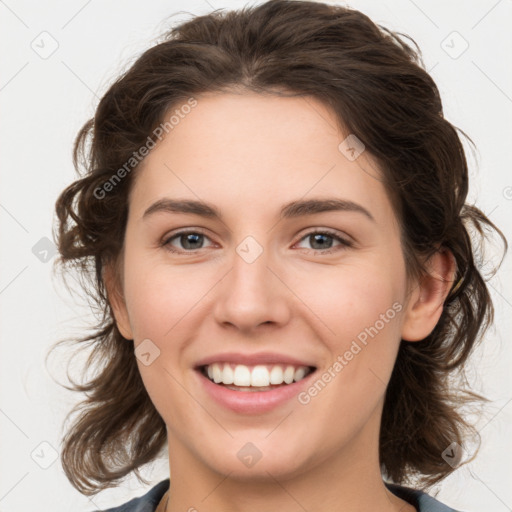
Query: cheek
(360,308)
(158,296)
(361,311)
(161,301)
(350,298)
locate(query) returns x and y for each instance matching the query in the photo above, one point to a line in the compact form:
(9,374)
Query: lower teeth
(251,388)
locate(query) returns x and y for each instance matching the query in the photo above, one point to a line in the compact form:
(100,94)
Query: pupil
(322,245)
(191,237)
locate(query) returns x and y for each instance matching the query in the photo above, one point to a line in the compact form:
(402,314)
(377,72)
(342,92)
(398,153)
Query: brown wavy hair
(374,81)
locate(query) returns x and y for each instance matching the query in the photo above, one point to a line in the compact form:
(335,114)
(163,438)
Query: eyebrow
(291,210)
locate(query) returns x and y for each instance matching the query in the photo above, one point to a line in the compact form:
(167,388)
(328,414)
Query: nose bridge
(251,294)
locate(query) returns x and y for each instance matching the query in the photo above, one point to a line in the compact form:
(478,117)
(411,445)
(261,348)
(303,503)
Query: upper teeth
(259,375)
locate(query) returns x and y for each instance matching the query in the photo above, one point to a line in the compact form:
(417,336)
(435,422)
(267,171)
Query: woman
(273,214)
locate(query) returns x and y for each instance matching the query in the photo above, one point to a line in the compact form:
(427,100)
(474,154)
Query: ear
(426,301)
(113,286)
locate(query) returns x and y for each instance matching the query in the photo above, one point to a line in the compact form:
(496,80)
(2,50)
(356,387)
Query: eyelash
(343,242)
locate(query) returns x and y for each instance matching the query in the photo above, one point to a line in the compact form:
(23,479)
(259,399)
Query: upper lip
(252,359)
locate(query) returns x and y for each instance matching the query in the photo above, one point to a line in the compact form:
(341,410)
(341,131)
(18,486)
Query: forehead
(255,150)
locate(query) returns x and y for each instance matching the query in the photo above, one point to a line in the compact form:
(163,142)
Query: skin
(293,299)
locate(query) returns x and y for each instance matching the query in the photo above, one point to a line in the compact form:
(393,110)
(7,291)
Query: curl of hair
(374,81)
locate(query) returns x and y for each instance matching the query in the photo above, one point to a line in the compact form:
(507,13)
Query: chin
(250,463)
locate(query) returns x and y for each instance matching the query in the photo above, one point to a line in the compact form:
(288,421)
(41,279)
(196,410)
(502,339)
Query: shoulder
(419,499)
(146,503)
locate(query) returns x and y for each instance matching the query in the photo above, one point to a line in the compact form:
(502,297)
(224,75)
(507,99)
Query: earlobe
(426,301)
(117,301)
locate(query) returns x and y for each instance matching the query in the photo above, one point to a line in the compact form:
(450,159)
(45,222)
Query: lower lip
(252,402)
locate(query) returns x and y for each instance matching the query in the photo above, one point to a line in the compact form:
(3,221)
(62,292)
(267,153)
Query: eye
(189,241)
(192,240)
(322,240)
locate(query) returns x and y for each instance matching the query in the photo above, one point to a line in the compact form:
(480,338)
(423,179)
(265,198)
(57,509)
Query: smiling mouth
(261,377)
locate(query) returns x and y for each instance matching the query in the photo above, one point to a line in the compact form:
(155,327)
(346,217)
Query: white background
(43,104)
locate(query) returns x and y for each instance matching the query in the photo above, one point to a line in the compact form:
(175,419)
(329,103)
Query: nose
(252,294)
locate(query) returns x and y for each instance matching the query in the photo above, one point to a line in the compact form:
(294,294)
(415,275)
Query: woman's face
(255,295)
